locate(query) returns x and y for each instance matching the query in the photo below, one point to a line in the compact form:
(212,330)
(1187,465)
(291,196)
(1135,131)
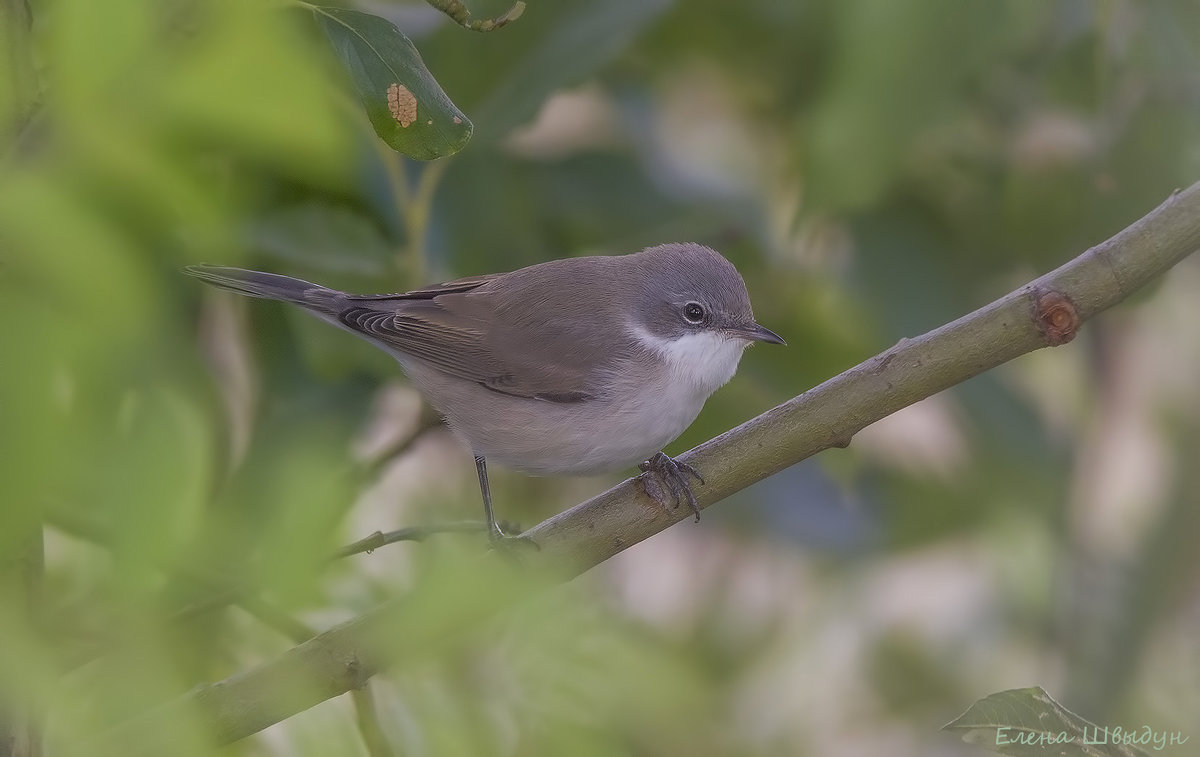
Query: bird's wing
(454,329)
(425,293)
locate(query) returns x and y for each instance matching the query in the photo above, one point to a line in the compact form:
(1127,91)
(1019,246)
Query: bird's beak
(756,333)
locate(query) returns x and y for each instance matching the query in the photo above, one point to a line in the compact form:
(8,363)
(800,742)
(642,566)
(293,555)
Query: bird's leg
(662,470)
(495,534)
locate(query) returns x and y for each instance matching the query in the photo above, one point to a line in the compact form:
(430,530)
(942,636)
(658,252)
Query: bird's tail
(271,286)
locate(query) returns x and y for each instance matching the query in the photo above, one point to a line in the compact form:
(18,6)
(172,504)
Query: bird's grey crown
(672,275)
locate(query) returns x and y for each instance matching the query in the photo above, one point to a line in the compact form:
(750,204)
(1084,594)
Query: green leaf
(408,109)
(586,35)
(559,44)
(323,237)
(1029,723)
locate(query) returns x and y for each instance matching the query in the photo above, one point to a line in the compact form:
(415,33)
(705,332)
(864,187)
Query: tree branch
(1045,312)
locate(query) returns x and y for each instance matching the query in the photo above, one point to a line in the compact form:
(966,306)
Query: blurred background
(873,168)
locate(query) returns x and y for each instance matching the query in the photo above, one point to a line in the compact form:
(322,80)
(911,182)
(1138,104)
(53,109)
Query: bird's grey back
(543,369)
(556,330)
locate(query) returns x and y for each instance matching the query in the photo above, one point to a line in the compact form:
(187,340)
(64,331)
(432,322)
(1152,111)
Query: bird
(576,366)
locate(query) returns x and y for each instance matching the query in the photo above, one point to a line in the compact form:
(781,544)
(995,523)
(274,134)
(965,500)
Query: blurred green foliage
(874,169)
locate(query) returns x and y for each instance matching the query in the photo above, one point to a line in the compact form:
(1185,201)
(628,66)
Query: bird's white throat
(705,359)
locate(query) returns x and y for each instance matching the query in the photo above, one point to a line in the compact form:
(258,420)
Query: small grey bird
(570,367)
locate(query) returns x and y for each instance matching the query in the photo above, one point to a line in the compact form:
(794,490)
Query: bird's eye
(693,312)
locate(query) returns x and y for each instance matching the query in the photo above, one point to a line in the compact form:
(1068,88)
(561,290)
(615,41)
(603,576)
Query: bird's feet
(507,538)
(662,471)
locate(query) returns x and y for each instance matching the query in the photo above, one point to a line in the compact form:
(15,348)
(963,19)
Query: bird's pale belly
(580,441)
(541,437)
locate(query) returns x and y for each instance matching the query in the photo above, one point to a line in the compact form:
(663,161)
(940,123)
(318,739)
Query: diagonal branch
(1045,312)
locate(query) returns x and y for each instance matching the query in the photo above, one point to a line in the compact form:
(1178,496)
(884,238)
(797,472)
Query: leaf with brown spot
(405,104)
(402,104)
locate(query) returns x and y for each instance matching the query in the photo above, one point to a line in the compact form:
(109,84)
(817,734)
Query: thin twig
(379,539)
(22,583)
(273,617)
(415,205)
(426,421)
(369,727)
(457,10)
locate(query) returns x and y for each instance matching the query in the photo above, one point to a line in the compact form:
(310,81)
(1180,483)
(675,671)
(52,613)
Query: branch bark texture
(1046,312)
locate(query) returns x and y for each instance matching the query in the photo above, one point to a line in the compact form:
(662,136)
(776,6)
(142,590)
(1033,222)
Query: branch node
(358,677)
(1055,315)
(882,361)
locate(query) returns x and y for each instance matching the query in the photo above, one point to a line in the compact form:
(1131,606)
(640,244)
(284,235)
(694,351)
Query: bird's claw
(508,543)
(663,470)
